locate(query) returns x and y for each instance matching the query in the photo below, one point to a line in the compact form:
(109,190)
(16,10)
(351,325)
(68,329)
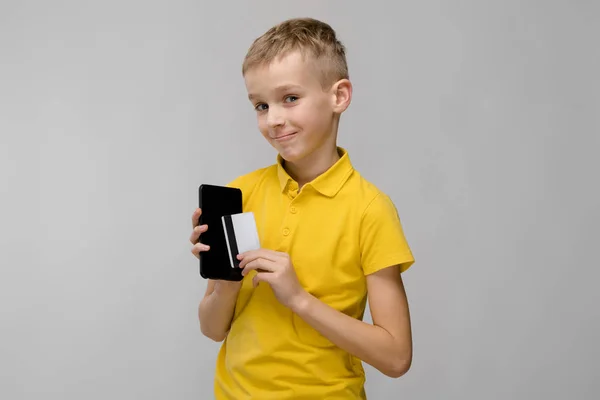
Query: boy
(293,329)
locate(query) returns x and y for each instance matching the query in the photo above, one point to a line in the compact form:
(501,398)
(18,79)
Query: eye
(291,99)
(261,107)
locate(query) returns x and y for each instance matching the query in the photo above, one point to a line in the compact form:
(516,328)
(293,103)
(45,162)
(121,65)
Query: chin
(291,154)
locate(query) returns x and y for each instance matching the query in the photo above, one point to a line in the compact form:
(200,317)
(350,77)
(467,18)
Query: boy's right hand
(198,230)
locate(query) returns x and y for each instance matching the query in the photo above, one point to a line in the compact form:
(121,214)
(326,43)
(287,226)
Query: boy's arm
(215,311)
(387,344)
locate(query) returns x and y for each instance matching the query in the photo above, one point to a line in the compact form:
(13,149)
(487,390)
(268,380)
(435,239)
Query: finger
(254,254)
(197,232)
(265,253)
(260,264)
(199,248)
(196,217)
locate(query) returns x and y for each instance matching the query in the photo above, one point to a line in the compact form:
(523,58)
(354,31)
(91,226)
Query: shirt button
(293,210)
(286,231)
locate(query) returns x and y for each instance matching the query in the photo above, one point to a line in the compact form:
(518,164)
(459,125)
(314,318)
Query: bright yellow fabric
(337,229)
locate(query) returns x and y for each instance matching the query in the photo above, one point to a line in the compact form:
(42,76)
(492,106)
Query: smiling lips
(285,137)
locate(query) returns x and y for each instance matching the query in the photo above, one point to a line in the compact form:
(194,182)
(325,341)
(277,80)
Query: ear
(341,92)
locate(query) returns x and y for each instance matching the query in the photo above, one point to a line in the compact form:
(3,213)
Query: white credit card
(241,235)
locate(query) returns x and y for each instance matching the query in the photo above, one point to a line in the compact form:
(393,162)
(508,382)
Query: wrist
(223,287)
(301,302)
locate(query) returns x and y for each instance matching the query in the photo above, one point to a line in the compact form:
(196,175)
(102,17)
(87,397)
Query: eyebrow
(282,88)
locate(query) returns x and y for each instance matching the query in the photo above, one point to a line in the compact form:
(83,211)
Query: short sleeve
(247,184)
(382,240)
(236,183)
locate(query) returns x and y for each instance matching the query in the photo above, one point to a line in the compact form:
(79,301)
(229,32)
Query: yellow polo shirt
(337,229)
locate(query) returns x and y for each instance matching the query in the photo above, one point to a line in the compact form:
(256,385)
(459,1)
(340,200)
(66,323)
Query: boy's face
(294,113)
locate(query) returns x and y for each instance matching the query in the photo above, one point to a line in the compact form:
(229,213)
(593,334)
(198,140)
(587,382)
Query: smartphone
(217,202)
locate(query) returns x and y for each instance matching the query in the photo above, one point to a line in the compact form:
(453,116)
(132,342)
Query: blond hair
(311,37)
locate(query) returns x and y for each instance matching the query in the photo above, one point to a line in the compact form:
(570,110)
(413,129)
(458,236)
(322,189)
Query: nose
(275,117)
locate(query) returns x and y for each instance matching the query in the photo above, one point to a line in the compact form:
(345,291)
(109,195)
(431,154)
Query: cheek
(262,124)
(305,114)
(314,116)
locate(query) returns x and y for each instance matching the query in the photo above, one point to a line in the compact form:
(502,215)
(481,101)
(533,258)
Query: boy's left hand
(277,270)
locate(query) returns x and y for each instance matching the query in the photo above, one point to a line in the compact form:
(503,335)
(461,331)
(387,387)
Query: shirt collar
(328,183)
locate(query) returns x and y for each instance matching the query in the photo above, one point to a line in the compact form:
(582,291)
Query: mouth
(287,136)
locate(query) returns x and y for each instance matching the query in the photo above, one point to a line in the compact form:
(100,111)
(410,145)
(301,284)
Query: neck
(307,169)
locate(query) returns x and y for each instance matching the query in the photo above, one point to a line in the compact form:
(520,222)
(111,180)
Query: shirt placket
(290,219)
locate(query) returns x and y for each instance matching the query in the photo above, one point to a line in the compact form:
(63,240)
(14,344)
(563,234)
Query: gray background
(480,119)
